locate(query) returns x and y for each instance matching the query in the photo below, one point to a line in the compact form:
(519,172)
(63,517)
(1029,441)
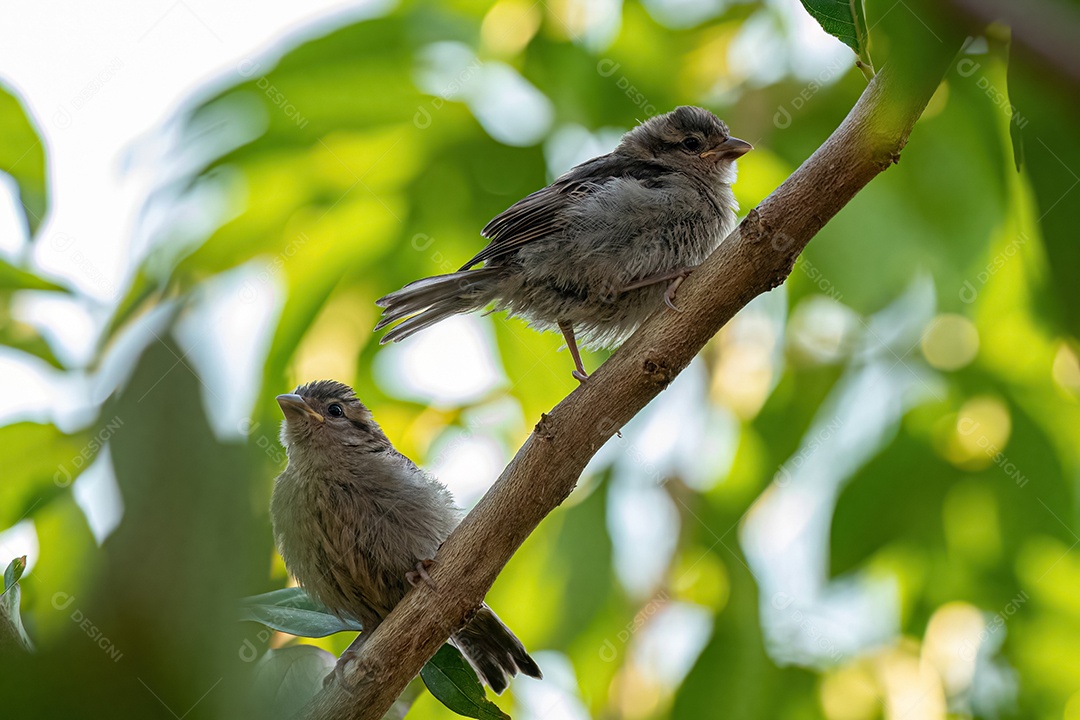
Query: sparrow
(597,251)
(358,524)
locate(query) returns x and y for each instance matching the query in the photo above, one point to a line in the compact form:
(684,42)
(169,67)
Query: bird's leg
(421,573)
(350,654)
(675,277)
(579,369)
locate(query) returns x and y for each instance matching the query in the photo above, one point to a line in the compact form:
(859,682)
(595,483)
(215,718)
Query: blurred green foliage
(363,159)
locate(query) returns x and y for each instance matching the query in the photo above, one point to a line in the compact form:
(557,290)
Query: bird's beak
(731,148)
(294,406)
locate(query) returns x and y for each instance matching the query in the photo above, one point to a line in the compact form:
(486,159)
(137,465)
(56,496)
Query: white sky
(98,76)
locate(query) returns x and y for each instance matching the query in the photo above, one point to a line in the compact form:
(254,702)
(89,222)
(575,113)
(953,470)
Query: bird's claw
(669,294)
(421,574)
(339,669)
(580,375)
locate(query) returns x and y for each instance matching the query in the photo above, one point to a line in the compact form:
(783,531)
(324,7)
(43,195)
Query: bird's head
(688,139)
(326,414)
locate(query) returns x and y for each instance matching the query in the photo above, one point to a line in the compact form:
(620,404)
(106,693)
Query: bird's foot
(421,573)
(339,669)
(579,368)
(669,294)
(349,655)
(675,278)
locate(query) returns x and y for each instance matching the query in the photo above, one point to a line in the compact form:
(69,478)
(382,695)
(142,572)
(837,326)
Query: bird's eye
(692,144)
(335,410)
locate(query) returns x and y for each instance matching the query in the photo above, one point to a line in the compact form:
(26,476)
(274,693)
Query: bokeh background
(859,501)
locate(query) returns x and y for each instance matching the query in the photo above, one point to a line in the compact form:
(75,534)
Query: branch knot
(543,428)
(658,371)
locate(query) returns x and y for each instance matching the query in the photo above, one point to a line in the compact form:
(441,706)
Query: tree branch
(756,257)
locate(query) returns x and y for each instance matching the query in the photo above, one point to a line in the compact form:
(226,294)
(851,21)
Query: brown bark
(755,258)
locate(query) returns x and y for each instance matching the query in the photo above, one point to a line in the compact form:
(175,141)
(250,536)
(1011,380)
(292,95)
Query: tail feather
(493,651)
(425,302)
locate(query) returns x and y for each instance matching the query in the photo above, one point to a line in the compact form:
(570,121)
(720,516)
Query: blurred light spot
(25,387)
(746,355)
(850,693)
(677,435)
(977,46)
(809,617)
(446,68)
(892,332)
(1066,370)
(450,363)
(702,578)
(971,523)
(466,463)
(670,643)
(502,414)
(509,26)
(592,23)
(822,329)
(638,696)
(950,342)
(789,510)
(704,456)
(913,690)
(18,540)
(752,55)
(705,72)
(678,14)
(982,430)
(571,145)
(66,322)
(951,644)
(332,344)
(509,107)
(742,379)
(811,54)
(98,495)
(555,697)
(30,389)
(783,39)
(224,338)
(644,527)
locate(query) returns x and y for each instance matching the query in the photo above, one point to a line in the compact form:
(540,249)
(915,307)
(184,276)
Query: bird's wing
(545,211)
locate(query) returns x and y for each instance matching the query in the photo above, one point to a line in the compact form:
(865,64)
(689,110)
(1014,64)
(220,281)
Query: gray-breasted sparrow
(601,248)
(357,523)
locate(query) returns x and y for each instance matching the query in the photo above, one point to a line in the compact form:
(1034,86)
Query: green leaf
(846,21)
(583,552)
(50,461)
(453,683)
(11,627)
(13,278)
(22,156)
(293,611)
(287,678)
(26,338)
(14,571)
